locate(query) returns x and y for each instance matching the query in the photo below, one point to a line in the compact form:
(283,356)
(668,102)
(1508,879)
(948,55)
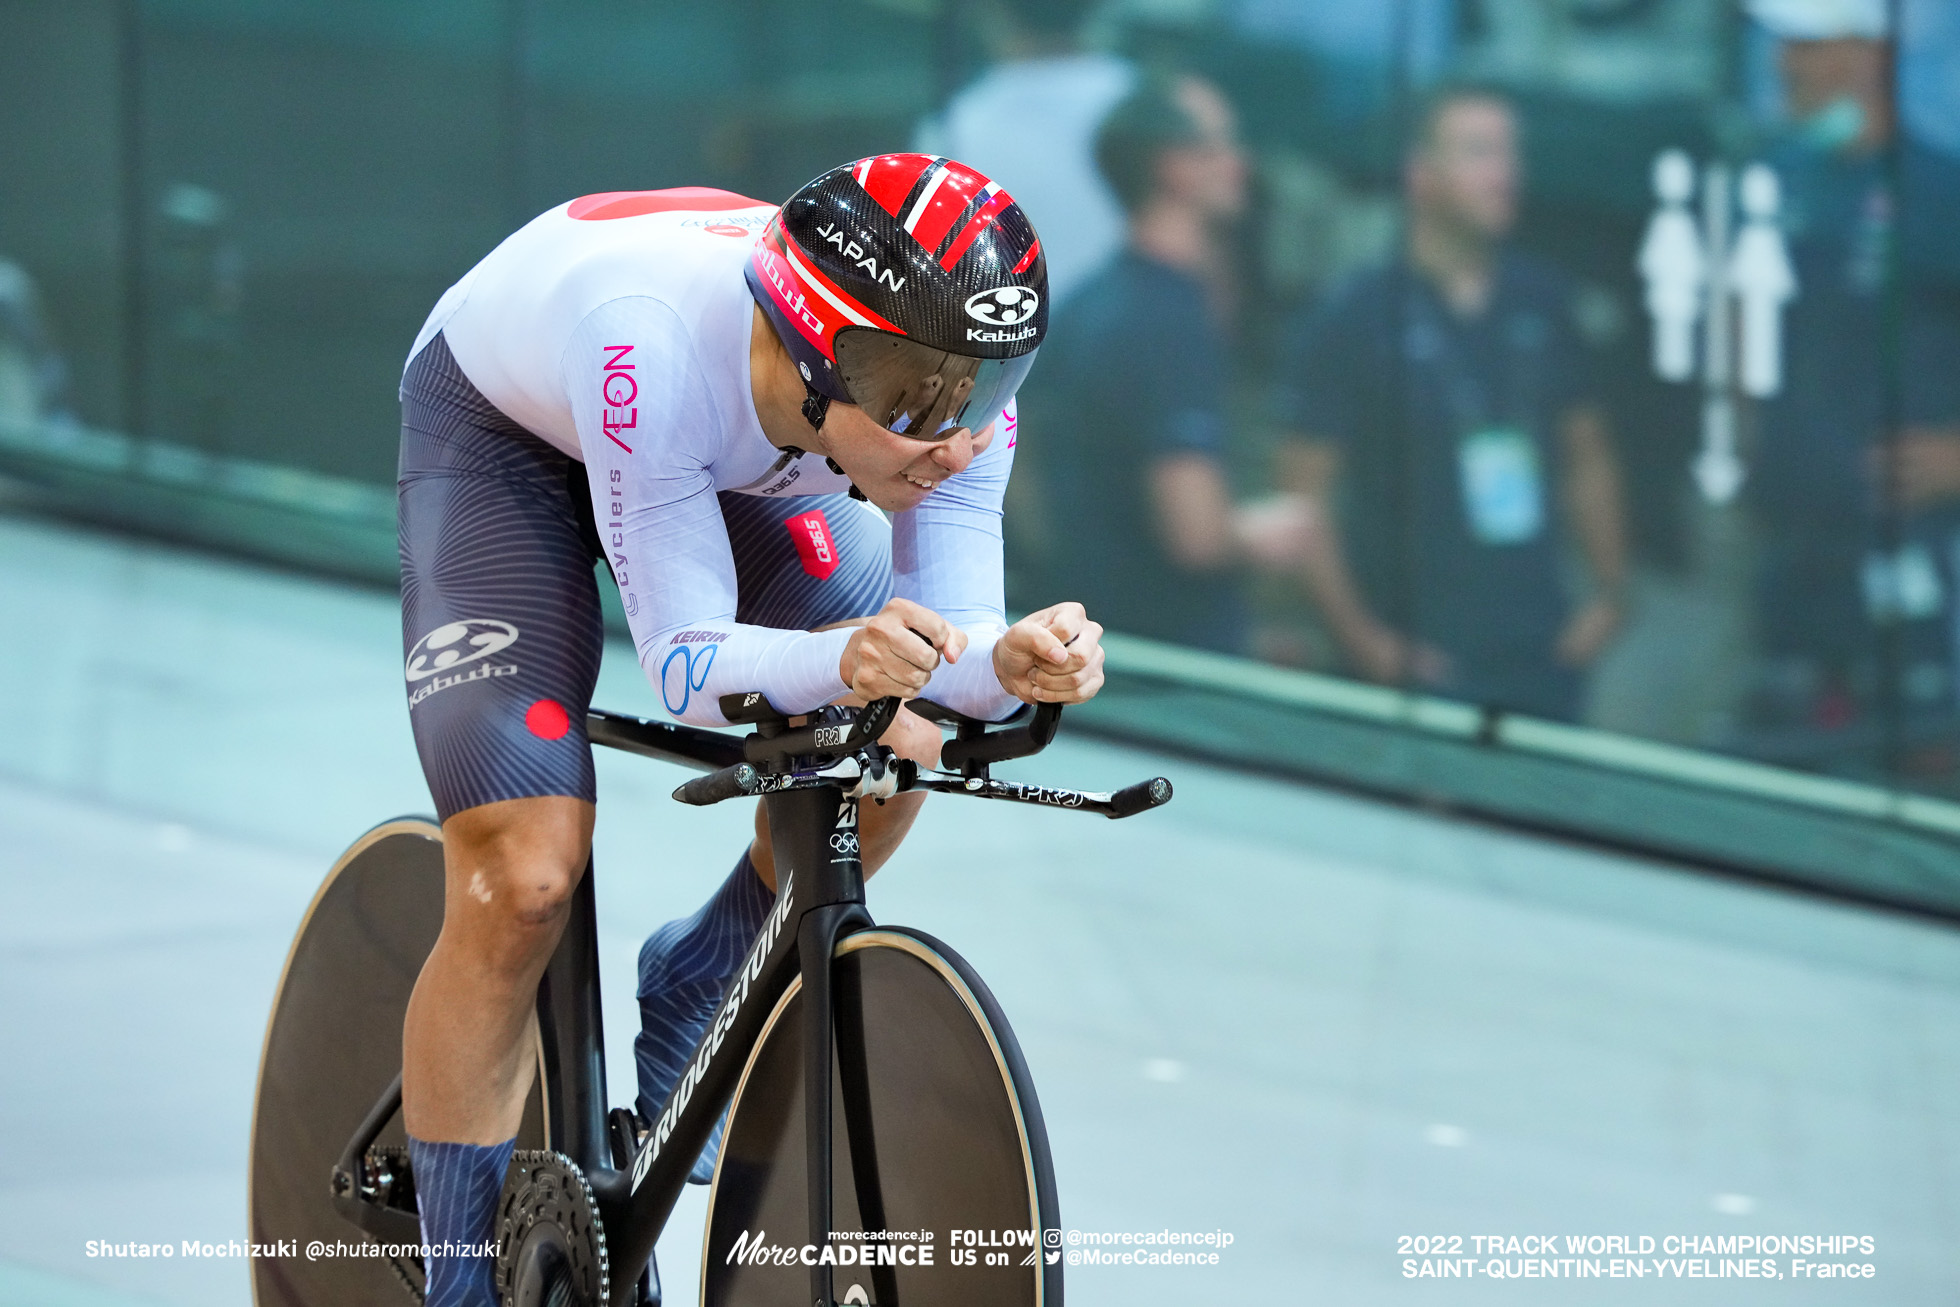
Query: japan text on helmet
(909,285)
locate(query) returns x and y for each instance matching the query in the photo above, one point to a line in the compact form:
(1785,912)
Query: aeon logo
(1003,306)
(457,643)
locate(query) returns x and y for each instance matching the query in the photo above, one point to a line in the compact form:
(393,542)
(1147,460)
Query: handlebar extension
(1141,797)
(728,783)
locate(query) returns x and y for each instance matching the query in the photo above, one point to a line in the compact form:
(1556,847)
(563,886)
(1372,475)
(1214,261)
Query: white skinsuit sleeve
(946,556)
(648,428)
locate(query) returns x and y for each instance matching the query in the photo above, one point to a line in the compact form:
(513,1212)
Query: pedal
(387,1178)
(625,1129)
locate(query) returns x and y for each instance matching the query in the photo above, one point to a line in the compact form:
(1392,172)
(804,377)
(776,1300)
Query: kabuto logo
(1003,306)
(458,642)
(999,337)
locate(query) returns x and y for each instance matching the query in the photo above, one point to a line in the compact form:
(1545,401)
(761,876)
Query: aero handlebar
(837,746)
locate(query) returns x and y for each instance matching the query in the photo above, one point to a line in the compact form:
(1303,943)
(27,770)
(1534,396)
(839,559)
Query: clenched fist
(895,652)
(1053,656)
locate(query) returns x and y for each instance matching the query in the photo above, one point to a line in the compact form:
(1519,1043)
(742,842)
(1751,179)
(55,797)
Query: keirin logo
(695,660)
(1003,306)
(458,642)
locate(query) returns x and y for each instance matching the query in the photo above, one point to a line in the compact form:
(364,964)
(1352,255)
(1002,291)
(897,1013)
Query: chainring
(551,1245)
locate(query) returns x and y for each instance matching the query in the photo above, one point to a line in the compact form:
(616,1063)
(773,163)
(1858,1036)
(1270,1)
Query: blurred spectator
(1929,111)
(1929,73)
(1858,480)
(1029,122)
(1439,416)
(1128,397)
(33,376)
(196,294)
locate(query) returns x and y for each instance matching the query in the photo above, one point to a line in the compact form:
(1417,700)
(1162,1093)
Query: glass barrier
(1593,361)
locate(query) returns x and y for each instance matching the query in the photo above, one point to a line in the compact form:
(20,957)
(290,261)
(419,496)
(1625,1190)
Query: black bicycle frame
(820,899)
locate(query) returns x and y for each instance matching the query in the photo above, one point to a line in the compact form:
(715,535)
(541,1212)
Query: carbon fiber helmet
(909,285)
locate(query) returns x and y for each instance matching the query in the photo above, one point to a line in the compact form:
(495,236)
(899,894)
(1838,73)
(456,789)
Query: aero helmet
(909,285)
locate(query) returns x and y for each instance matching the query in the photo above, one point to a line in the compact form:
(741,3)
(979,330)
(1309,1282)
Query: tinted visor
(923,392)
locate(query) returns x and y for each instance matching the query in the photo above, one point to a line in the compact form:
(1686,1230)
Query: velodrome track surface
(1316,1022)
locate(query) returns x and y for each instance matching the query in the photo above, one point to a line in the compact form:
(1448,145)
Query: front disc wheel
(935,1129)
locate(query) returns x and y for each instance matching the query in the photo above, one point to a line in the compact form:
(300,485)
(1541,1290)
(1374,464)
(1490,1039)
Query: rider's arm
(946,556)
(647,425)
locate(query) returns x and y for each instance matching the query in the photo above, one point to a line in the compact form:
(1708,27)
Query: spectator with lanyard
(1439,414)
(1137,374)
(700,390)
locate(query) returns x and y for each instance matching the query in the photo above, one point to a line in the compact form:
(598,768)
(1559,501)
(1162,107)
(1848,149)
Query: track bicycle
(876,1097)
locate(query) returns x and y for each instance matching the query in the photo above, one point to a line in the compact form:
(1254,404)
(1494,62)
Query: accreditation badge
(1503,486)
(1903,585)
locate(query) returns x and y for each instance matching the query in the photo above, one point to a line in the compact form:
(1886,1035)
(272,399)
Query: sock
(456,1188)
(684,968)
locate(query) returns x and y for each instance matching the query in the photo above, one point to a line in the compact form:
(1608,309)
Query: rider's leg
(467,1057)
(501,641)
(685,966)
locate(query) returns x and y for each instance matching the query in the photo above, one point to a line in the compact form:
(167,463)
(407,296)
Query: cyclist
(700,390)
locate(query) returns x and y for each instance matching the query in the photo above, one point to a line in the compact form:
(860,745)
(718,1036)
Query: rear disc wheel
(332,1046)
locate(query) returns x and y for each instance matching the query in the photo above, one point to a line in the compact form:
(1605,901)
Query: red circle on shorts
(547,720)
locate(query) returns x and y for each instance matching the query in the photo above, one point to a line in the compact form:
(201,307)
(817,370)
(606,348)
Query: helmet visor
(922,392)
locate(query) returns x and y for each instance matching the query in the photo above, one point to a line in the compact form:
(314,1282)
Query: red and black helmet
(909,285)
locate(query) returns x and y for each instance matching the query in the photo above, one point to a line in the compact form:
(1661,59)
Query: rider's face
(895,472)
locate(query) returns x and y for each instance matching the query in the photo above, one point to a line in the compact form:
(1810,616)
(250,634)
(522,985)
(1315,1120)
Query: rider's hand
(1053,656)
(895,652)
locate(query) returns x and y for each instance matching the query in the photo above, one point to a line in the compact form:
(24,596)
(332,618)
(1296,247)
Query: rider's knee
(912,736)
(539,894)
(518,865)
